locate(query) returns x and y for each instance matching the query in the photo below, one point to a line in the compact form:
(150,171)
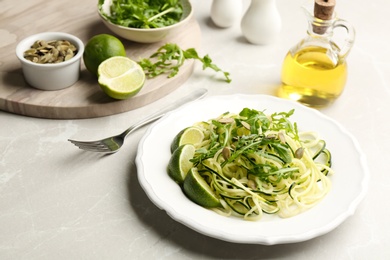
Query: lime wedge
(198,190)
(190,135)
(180,163)
(120,77)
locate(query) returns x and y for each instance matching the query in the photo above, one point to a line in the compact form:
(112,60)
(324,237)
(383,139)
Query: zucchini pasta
(257,163)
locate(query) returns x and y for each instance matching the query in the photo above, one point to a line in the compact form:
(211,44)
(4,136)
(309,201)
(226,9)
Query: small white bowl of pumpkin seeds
(50,60)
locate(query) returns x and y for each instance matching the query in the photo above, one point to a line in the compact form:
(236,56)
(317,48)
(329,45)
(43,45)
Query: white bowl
(51,76)
(149,35)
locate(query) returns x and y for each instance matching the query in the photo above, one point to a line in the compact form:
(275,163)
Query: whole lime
(99,48)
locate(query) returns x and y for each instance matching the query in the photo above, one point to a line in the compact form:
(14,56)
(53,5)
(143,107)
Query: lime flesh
(190,135)
(120,77)
(180,163)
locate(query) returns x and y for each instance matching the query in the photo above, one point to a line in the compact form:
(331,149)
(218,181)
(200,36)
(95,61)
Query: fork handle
(197,94)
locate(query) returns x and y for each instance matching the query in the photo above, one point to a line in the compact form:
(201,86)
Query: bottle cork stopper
(323,9)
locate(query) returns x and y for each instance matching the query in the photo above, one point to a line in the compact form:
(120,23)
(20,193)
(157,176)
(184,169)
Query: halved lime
(190,135)
(199,191)
(180,163)
(120,77)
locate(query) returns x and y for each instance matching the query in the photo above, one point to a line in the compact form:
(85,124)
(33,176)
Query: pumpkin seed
(53,51)
(246,125)
(226,153)
(299,153)
(226,120)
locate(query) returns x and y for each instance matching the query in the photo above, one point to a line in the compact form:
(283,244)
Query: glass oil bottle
(314,71)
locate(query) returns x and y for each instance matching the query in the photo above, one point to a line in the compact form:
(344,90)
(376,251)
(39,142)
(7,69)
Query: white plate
(349,184)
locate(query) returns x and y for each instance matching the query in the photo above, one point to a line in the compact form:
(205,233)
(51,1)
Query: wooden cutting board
(84,99)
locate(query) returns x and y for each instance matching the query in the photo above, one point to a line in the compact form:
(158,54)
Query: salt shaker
(261,23)
(225,13)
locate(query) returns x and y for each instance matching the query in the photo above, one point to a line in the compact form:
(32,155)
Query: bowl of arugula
(144,21)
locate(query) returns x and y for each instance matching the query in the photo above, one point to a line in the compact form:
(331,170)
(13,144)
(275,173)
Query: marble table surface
(58,202)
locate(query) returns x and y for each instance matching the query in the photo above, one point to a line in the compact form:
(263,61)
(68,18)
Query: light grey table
(57,202)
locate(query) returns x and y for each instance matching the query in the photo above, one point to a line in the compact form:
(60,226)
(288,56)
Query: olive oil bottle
(314,72)
(312,78)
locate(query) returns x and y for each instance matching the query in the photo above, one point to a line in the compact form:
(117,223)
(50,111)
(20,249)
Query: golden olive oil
(313,76)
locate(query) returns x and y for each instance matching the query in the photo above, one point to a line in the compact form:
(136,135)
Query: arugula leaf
(144,13)
(269,174)
(259,141)
(170,57)
(207,62)
(283,151)
(258,121)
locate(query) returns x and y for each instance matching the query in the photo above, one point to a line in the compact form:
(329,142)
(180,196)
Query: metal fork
(114,143)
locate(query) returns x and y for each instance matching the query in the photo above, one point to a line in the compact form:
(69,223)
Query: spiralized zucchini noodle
(257,163)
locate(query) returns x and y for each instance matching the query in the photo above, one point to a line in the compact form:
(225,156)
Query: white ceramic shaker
(261,23)
(225,13)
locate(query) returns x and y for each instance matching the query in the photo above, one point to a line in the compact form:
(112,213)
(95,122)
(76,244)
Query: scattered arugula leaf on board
(170,57)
